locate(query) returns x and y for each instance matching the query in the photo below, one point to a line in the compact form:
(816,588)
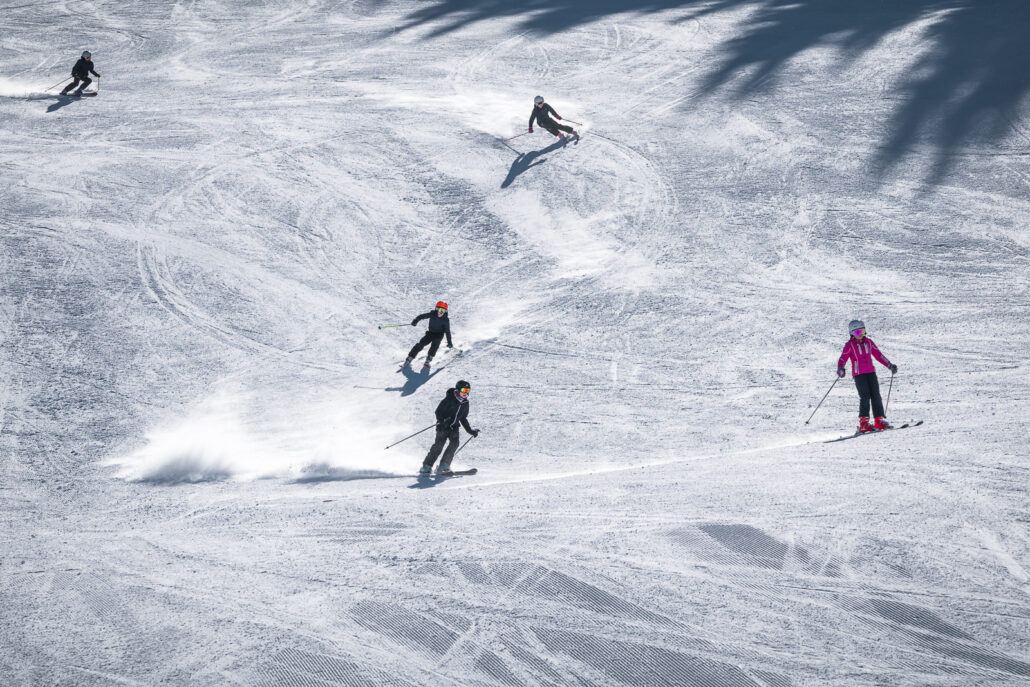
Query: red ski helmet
(441,304)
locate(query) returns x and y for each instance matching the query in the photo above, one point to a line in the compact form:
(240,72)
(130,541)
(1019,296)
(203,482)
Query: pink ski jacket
(861,354)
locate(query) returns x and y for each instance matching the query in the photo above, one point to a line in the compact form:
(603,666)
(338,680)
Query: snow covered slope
(195,394)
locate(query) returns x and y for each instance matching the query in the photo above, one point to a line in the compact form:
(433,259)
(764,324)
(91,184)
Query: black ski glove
(414,323)
(450,345)
(474,432)
(840,371)
(893,368)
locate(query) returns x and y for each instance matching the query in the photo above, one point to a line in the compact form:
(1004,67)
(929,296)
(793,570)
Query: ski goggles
(464,390)
(858,332)
(441,310)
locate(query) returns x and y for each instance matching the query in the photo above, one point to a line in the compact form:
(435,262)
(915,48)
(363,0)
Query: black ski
(79,95)
(451,473)
(879,431)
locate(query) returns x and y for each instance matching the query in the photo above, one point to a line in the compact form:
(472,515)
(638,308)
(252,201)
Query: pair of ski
(449,473)
(878,431)
(85,94)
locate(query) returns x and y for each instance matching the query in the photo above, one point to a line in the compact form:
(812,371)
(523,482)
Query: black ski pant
(868,390)
(85,82)
(443,435)
(554,126)
(431,338)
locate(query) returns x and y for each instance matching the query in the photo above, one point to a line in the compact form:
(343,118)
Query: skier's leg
(434,347)
(452,447)
(434,451)
(874,393)
(551,127)
(566,127)
(69,87)
(862,384)
(420,345)
(85,82)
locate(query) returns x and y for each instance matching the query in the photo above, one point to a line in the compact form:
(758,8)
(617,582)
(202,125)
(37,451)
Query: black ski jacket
(540,114)
(82,68)
(436,324)
(453,409)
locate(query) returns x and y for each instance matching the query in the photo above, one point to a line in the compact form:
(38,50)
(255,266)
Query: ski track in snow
(196,396)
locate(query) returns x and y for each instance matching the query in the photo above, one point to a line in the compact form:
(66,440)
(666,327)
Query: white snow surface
(195,394)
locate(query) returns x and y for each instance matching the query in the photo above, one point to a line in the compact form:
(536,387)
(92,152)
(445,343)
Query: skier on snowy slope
(861,350)
(452,412)
(80,72)
(540,114)
(439,324)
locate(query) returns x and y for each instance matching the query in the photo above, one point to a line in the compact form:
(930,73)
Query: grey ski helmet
(86,53)
(537,100)
(855,324)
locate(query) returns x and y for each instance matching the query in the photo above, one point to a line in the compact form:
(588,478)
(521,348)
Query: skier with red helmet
(451,415)
(439,325)
(861,350)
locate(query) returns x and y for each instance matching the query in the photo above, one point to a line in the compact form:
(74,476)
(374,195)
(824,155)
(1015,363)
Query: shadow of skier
(526,160)
(430,481)
(62,101)
(413,380)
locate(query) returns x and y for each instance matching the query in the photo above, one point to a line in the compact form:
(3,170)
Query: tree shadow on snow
(526,160)
(963,89)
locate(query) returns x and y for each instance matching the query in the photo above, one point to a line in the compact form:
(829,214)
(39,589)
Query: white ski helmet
(86,54)
(855,324)
(537,100)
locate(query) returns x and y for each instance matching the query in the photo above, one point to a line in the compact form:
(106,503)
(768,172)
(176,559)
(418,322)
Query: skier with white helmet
(861,350)
(541,114)
(80,73)
(451,415)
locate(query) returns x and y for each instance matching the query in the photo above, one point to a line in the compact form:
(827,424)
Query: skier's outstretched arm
(421,317)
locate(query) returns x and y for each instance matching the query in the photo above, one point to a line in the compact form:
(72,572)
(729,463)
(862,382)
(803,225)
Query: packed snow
(195,391)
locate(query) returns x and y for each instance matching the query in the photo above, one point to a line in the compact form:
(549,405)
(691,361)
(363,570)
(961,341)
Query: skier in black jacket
(452,412)
(439,324)
(541,114)
(81,72)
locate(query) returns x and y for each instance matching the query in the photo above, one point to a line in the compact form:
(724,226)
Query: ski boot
(425,469)
(443,468)
(407,362)
(78,92)
(882,424)
(425,365)
(864,427)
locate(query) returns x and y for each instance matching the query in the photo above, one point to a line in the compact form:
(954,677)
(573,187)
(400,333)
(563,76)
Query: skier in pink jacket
(861,350)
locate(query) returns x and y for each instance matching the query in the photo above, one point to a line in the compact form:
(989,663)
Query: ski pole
(822,399)
(505,140)
(98,85)
(61,82)
(572,121)
(889,387)
(413,435)
(387,326)
(463,445)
